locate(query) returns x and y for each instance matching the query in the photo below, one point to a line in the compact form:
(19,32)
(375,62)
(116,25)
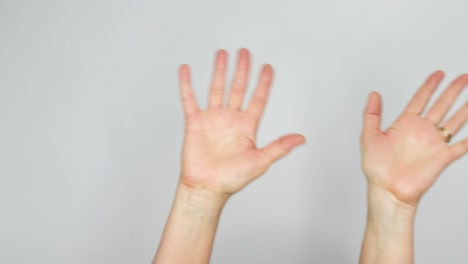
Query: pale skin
(219,157)
(403,162)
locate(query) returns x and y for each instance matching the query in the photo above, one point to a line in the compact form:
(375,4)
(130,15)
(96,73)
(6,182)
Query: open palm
(220,152)
(407,158)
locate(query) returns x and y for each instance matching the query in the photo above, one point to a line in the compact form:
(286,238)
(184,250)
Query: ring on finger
(446,134)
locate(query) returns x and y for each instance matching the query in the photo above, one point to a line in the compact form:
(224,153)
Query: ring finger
(445,101)
(458,120)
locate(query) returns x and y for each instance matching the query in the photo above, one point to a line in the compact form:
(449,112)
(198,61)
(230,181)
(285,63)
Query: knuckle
(260,98)
(262,159)
(444,101)
(217,86)
(237,85)
(187,97)
(422,98)
(457,87)
(457,120)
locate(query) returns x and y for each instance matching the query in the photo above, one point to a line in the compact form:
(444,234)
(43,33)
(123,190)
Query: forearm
(190,230)
(389,231)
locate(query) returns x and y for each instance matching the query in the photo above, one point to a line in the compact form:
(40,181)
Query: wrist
(389,230)
(190,230)
(200,199)
(384,210)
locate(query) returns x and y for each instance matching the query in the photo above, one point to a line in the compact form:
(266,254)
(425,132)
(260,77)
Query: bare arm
(191,227)
(389,231)
(402,163)
(219,158)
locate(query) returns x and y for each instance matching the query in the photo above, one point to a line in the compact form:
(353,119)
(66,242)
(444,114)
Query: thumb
(278,149)
(372,113)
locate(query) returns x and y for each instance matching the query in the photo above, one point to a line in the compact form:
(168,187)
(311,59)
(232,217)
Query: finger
(445,101)
(454,124)
(278,149)
(423,95)
(260,96)
(459,149)
(219,80)
(239,84)
(373,113)
(186,92)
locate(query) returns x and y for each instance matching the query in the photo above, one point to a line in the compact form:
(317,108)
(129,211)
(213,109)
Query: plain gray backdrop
(91,125)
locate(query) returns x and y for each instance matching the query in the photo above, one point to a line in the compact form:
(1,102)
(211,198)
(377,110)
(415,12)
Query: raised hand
(407,158)
(402,163)
(219,158)
(220,153)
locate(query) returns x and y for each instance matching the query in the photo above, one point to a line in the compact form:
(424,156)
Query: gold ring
(446,134)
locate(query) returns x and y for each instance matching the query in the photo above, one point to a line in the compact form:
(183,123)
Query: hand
(406,159)
(220,153)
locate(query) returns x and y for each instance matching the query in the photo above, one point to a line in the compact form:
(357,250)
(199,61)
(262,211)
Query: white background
(91,125)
